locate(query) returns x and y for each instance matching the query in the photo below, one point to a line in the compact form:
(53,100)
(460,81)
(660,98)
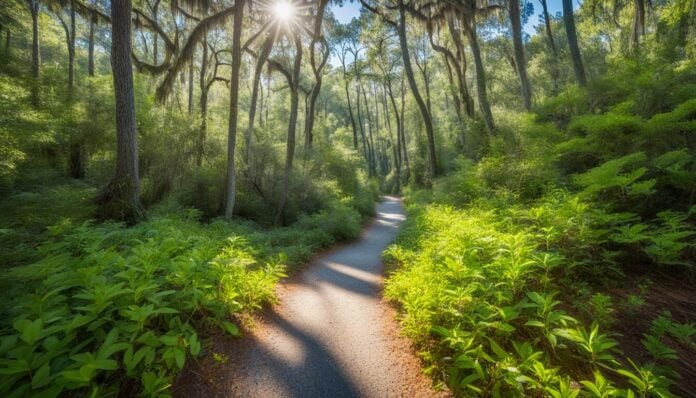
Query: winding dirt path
(331,335)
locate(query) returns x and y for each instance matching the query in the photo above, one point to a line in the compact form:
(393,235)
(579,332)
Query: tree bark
(518,46)
(404,144)
(260,62)
(71,49)
(90,47)
(547,26)
(231,180)
(35,54)
(569,22)
(203,85)
(484,105)
(155,41)
(396,146)
(638,28)
(190,89)
(120,198)
(362,127)
(292,126)
(350,106)
(432,158)
(316,88)
(370,142)
(8,42)
(553,70)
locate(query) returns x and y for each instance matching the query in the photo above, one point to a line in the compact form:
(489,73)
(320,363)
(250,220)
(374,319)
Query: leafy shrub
(478,289)
(106,304)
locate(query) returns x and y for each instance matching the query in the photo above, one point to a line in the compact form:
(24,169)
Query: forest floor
(330,335)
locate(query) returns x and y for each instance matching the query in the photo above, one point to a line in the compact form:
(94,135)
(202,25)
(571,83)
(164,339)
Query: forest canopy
(164,164)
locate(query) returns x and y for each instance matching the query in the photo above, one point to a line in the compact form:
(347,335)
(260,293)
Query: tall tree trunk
(190,89)
(484,105)
(35,54)
(71,49)
(90,47)
(554,72)
(547,26)
(370,142)
(292,126)
(231,191)
(518,46)
(569,22)
(396,146)
(350,106)
(432,158)
(461,70)
(203,85)
(120,198)
(316,88)
(155,41)
(638,27)
(260,62)
(362,126)
(404,144)
(8,42)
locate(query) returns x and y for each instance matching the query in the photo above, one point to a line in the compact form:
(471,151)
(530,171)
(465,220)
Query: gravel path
(331,335)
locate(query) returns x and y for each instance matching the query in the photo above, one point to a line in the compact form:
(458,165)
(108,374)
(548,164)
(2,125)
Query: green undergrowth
(487,293)
(103,306)
(502,269)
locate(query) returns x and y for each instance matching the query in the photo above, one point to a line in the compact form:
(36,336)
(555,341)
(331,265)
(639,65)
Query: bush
(478,289)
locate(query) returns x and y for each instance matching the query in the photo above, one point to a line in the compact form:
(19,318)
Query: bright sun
(284,10)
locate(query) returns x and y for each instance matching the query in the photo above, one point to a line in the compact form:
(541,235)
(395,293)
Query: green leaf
(169,340)
(538,324)
(180,357)
(41,377)
(232,329)
(32,331)
(194,345)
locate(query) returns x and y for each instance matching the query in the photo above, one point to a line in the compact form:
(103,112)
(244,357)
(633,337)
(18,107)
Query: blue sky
(350,10)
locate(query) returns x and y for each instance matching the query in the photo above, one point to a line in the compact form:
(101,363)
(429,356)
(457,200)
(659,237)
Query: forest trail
(330,335)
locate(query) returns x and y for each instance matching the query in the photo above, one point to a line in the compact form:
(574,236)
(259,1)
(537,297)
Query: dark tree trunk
(518,46)
(432,159)
(231,181)
(35,54)
(396,146)
(362,128)
(404,144)
(461,71)
(8,42)
(90,47)
(311,104)
(569,22)
(190,89)
(155,41)
(260,62)
(350,106)
(120,198)
(553,70)
(481,92)
(370,141)
(71,49)
(292,126)
(76,161)
(203,85)
(547,26)
(638,28)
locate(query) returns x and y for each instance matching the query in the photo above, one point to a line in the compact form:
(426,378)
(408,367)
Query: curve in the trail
(331,335)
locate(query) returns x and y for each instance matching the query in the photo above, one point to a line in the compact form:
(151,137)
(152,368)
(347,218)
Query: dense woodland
(163,164)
